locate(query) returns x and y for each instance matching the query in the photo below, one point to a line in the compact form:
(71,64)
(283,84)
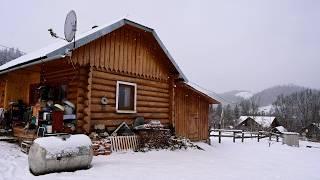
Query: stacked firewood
(153,139)
(162,139)
(101,147)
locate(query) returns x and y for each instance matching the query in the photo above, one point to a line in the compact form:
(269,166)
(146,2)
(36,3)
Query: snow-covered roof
(204,92)
(264,121)
(281,129)
(60,47)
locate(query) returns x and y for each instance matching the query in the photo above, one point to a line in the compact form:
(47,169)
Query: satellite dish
(70,26)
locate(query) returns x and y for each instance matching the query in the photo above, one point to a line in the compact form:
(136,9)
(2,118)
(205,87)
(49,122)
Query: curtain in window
(126,97)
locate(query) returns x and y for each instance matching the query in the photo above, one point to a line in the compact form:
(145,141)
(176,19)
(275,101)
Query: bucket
(49,128)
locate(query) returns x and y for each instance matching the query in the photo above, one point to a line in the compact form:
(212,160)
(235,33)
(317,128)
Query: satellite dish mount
(70,28)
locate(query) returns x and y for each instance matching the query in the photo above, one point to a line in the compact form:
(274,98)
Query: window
(126,97)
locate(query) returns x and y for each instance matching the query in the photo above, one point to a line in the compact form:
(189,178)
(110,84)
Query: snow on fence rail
(239,134)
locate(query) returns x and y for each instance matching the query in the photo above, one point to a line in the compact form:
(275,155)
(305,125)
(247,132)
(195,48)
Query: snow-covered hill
(235,96)
(244,94)
(264,98)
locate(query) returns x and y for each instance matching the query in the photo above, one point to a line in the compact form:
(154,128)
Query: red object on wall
(57,121)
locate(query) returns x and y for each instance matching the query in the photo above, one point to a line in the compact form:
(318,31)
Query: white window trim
(135,97)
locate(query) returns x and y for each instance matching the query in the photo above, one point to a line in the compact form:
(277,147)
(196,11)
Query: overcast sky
(220,45)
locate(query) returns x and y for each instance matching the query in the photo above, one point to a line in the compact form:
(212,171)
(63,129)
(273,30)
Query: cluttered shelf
(52,113)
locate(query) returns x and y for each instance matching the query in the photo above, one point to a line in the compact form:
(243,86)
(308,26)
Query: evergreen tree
(236,112)
(9,54)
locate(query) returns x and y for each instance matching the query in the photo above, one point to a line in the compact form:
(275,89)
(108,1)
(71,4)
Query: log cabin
(112,74)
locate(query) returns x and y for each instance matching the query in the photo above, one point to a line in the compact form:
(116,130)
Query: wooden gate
(123,143)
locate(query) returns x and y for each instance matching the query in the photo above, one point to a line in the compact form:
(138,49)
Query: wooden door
(193,117)
(193,126)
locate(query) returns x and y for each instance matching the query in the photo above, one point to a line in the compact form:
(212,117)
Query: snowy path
(10,155)
(250,160)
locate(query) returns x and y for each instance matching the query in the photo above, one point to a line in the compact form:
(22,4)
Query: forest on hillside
(9,54)
(294,111)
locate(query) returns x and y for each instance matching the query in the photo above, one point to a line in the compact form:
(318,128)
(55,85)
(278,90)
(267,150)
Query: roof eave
(210,99)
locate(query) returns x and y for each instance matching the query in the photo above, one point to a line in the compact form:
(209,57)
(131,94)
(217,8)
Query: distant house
(312,131)
(254,123)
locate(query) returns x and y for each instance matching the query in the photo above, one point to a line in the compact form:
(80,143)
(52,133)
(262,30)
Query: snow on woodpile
(55,145)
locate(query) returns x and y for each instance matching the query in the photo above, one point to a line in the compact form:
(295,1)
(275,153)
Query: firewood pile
(101,147)
(155,139)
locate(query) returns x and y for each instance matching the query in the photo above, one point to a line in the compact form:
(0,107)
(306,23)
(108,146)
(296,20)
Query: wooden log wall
(152,100)
(126,50)
(60,72)
(83,116)
(191,114)
(17,86)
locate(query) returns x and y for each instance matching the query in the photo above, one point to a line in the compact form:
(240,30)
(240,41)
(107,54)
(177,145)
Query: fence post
(270,136)
(242,137)
(277,138)
(219,136)
(258,136)
(209,138)
(234,137)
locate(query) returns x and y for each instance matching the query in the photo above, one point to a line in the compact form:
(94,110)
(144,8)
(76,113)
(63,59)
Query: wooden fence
(239,134)
(123,143)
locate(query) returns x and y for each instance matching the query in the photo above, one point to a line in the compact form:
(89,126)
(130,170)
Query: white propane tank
(60,153)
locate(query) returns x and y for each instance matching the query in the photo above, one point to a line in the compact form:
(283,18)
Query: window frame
(134,97)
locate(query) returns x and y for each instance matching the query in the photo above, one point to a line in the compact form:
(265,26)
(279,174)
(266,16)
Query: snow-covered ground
(248,160)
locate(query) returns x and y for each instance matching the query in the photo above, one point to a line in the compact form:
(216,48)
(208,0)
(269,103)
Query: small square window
(126,97)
